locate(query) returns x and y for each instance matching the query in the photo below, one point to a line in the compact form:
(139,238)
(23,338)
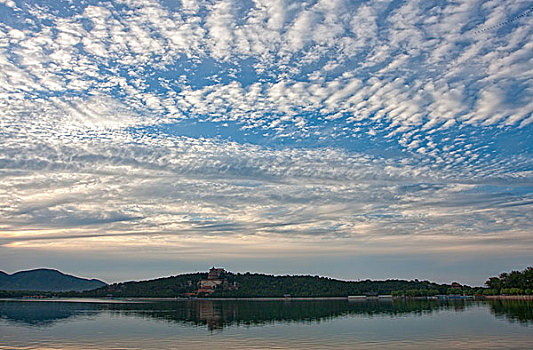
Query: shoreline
(509,297)
(235,299)
(348,298)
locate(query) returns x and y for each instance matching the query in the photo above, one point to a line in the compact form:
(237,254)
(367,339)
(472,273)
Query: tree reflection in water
(513,310)
(217,314)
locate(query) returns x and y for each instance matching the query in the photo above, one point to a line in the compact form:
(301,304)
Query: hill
(46,280)
(166,287)
(224,284)
(261,285)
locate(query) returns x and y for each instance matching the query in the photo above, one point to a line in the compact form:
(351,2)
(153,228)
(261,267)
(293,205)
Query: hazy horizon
(355,140)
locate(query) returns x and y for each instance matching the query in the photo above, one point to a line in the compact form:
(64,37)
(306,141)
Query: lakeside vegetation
(508,283)
(512,283)
(261,285)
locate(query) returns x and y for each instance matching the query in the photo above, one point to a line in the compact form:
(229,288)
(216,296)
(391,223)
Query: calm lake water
(335,324)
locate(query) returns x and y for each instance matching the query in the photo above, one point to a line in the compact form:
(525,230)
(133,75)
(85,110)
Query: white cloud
(78,94)
(422,45)
(199,188)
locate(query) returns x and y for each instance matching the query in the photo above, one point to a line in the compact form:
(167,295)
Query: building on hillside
(215,279)
(204,291)
(210,283)
(208,286)
(215,273)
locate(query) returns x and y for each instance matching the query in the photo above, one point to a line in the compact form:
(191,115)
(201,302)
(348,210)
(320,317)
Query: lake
(324,324)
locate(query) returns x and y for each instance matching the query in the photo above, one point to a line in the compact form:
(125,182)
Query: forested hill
(260,285)
(162,287)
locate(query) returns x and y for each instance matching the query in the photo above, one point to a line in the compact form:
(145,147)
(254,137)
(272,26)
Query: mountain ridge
(45,279)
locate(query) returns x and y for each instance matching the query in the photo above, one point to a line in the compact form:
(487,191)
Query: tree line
(512,283)
(261,285)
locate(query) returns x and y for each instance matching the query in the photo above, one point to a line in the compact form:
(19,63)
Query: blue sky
(353,139)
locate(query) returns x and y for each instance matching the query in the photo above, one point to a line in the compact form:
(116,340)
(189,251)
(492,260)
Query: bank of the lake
(509,297)
(285,298)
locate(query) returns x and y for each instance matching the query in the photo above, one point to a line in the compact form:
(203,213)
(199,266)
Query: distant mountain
(46,280)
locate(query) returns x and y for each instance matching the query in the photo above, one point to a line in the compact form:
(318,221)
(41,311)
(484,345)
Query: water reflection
(513,310)
(219,314)
(43,314)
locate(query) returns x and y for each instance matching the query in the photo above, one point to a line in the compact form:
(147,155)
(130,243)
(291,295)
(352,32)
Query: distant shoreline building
(215,279)
(215,273)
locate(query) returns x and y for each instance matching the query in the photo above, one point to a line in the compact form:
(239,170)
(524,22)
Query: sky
(350,139)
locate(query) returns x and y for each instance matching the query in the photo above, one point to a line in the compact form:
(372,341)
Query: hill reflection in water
(44,313)
(219,314)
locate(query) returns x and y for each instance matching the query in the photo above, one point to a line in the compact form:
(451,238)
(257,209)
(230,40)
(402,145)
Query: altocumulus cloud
(269,128)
